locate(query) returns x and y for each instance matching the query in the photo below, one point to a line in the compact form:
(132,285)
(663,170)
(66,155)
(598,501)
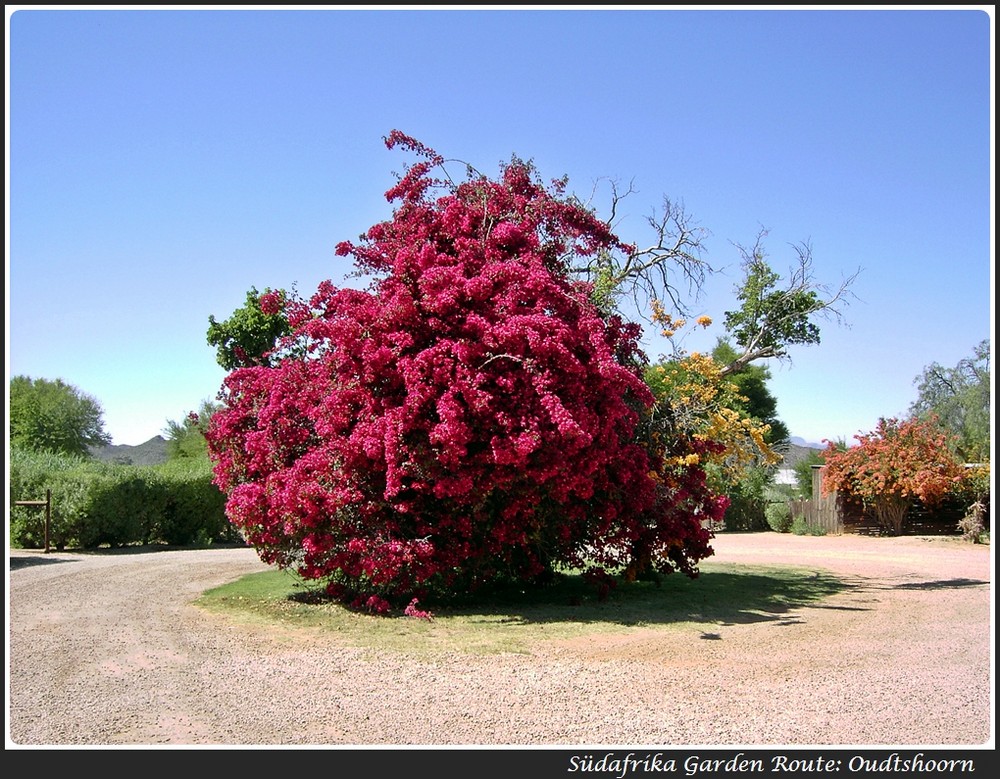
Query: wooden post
(48,518)
(47,503)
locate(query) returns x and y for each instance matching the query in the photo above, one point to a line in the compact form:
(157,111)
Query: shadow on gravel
(720,597)
(860,584)
(143,549)
(24,561)
(20,560)
(944,584)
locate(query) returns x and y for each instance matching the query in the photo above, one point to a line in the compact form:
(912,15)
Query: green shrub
(32,473)
(747,503)
(800,528)
(779,517)
(122,507)
(29,471)
(96,504)
(194,510)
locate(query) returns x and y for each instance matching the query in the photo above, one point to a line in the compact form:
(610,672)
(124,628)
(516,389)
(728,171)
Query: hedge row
(98,504)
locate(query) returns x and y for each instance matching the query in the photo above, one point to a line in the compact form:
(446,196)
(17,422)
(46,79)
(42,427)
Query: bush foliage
(98,504)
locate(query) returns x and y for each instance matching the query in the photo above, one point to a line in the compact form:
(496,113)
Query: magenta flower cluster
(470,416)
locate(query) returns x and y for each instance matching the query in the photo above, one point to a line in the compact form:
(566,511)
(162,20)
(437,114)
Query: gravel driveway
(109,649)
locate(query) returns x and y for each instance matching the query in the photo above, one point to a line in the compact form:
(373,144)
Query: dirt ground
(110,650)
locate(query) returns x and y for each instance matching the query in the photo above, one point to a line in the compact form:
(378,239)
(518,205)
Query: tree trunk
(890,512)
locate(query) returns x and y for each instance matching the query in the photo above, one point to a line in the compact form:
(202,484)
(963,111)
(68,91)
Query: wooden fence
(822,511)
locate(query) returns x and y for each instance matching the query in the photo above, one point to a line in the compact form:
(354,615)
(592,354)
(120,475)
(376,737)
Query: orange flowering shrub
(894,464)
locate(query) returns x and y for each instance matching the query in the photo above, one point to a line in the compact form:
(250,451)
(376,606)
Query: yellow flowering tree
(698,402)
(696,399)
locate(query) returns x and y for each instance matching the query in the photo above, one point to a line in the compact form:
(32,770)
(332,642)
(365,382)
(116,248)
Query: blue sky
(163,161)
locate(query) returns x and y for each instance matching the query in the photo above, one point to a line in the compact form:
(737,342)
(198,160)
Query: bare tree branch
(670,268)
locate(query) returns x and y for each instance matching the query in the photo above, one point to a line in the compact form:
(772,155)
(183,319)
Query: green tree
(747,489)
(803,471)
(53,416)
(960,399)
(654,275)
(186,438)
(751,384)
(250,334)
(773,316)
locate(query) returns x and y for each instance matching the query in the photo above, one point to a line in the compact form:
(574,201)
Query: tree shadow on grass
(719,597)
(515,617)
(731,596)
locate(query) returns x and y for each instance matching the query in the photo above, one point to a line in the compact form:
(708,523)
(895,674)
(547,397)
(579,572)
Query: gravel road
(109,650)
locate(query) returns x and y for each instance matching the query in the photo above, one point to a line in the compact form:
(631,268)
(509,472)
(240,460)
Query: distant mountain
(794,453)
(802,442)
(153,452)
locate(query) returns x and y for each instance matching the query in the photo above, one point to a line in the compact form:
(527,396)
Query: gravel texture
(109,649)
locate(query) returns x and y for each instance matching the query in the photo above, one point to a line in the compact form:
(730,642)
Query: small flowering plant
(470,417)
(411,610)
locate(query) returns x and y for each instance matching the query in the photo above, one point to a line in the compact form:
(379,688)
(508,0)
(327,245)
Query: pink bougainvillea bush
(470,417)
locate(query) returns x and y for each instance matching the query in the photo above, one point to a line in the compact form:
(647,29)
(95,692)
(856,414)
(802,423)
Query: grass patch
(513,620)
